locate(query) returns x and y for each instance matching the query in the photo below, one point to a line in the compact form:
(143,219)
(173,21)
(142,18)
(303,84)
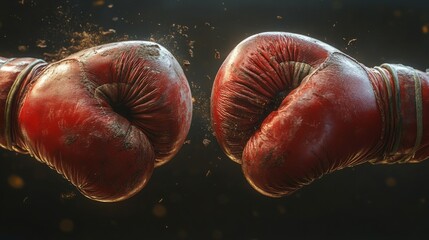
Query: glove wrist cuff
(14,76)
(401,105)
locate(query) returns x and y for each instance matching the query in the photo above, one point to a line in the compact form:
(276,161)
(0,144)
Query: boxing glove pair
(287,107)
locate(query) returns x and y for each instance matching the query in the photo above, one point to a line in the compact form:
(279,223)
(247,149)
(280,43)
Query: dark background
(201,194)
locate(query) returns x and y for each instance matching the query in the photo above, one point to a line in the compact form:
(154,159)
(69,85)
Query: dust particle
(206,142)
(108,32)
(22,48)
(68,195)
(216,54)
(351,41)
(40,43)
(186,63)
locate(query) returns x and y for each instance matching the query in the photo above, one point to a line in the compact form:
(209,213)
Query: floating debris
(351,41)
(68,195)
(217,54)
(108,32)
(41,43)
(186,63)
(206,142)
(22,48)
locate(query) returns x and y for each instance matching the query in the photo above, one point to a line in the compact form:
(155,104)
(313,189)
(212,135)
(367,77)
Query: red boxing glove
(290,109)
(103,117)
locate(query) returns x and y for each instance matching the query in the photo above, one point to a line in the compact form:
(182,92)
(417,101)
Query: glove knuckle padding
(108,115)
(151,89)
(257,74)
(317,129)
